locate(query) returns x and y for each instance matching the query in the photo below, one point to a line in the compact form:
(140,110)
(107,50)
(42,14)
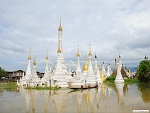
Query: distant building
(16,75)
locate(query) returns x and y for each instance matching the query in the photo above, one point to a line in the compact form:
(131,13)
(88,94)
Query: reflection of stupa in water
(30,98)
(89,98)
(103,89)
(119,93)
(60,100)
(27,98)
(47,96)
(98,92)
(78,96)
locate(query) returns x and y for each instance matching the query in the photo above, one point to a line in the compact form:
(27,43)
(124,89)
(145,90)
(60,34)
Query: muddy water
(105,99)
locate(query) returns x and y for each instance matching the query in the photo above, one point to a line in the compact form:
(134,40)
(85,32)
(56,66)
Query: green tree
(3,73)
(143,73)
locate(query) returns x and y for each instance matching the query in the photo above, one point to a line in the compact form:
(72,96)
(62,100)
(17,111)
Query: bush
(110,79)
(143,72)
(131,81)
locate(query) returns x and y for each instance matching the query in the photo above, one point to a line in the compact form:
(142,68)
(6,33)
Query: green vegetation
(143,72)
(110,80)
(131,81)
(3,73)
(43,88)
(8,86)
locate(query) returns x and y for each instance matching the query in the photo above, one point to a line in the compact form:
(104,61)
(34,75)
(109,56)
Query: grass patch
(110,79)
(43,88)
(8,86)
(131,81)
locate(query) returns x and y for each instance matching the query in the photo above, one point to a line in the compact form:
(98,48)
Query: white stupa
(61,76)
(46,78)
(60,72)
(119,78)
(90,78)
(35,79)
(28,72)
(108,70)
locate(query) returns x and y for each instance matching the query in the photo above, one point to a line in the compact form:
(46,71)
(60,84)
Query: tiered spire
(59,47)
(119,78)
(28,72)
(59,37)
(85,65)
(78,53)
(34,63)
(29,56)
(90,67)
(78,70)
(90,51)
(95,55)
(60,27)
(47,55)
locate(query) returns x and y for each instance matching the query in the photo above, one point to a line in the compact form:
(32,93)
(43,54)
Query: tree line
(3,73)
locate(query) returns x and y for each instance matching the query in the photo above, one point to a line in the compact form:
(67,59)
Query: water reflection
(145,90)
(116,98)
(119,92)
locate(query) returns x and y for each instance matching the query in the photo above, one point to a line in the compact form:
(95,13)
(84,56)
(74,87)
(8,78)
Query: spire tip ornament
(60,27)
(29,57)
(34,63)
(78,53)
(47,55)
(90,52)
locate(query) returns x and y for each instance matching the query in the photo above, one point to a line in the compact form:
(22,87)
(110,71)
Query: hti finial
(95,55)
(29,57)
(34,63)
(47,55)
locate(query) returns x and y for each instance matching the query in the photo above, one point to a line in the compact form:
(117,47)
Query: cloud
(10,47)
(112,27)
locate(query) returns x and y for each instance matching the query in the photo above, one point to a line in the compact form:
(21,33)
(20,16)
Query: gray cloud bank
(112,27)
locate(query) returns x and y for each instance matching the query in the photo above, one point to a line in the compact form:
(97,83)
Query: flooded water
(105,99)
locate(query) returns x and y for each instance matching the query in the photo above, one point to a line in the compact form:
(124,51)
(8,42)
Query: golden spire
(59,50)
(90,52)
(60,27)
(85,65)
(47,55)
(78,53)
(29,57)
(34,63)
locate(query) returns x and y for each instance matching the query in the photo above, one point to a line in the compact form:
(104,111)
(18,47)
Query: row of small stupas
(62,77)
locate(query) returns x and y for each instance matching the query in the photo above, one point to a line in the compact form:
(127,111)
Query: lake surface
(105,99)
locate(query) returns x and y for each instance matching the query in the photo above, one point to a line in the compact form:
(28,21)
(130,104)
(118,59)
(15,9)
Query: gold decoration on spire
(85,65)
(59,50)
(90,52)
(29,57)
(78,53)
(47,55)
(60,27)
(34,63)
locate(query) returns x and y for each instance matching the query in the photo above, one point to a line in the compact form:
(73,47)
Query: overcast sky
(112,27)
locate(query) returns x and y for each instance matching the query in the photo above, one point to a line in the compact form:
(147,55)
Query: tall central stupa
(60,71)
(60,58)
